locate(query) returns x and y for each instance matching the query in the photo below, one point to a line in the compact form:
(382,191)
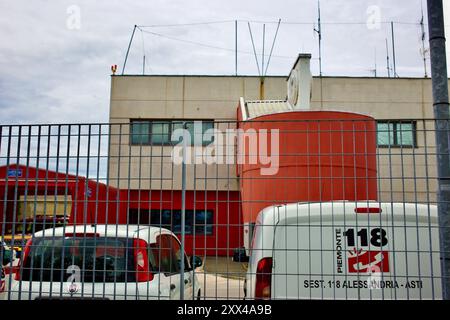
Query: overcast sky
(55,56)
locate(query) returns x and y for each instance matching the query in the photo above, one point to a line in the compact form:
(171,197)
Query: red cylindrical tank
(322,156)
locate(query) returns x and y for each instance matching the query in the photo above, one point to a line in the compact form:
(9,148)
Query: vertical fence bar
(35,198)
(5,197)
(15,202)
(66,187)
(96,211)
(183,209)
(442,116)
(108,187)
(428,201)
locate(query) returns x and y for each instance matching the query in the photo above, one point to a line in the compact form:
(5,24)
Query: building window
(396,134)
(199,222)
(159,132)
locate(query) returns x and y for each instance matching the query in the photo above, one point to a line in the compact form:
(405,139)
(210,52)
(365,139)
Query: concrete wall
(185,97)
(404,174)
(176,97)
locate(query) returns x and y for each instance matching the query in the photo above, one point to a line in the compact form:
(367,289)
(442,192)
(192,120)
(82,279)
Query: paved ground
(216,287)
(4,295)
(225,266)
(222,278)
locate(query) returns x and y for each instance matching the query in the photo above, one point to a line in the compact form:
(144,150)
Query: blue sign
(15,173)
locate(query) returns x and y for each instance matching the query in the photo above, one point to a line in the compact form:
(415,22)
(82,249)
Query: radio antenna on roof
(319,33)
(128,50)
(423,50)
(273,44)
(254,50)
(388,68)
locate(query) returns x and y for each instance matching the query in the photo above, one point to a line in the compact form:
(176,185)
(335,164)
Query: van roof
(147,233)
(320,212)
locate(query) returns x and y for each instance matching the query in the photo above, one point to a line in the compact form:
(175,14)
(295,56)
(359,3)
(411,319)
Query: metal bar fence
(283,209)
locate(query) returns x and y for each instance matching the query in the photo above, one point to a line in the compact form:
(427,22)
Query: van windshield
(99,259)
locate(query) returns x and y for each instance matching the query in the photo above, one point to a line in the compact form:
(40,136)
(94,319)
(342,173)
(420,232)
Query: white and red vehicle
(106,262)
(345,250)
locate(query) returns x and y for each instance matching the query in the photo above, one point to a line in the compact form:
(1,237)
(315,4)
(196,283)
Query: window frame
(171,123)
(395,143)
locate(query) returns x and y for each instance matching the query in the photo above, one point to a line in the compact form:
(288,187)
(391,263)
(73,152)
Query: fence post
(183,209)
(441,114)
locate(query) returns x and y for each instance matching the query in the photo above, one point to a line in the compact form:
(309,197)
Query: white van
(345,250)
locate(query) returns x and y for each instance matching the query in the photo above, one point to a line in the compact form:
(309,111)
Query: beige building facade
(404,173)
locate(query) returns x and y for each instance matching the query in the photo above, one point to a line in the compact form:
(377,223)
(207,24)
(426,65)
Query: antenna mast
(387,60)
(128,50)
(393,49)
(424,50)
(263,45)
(319,32)
(254,50)
(236,47)
(143,66)
(262,72)
(375,70)
(261,87)
(271,49)
(143,52)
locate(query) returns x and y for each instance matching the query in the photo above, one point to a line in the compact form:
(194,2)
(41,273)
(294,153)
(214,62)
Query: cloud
(51,73)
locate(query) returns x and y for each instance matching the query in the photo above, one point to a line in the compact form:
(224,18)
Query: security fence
(199,209)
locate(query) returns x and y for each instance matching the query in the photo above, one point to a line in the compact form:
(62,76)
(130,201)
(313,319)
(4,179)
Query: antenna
(262,72)
(143,51)
(319,32)
(375,70)
(143,66)
(273,44)
(236,47)
(387,60)
(254,50)
(263,45)
(128,50)
(393,49)
(424,50)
